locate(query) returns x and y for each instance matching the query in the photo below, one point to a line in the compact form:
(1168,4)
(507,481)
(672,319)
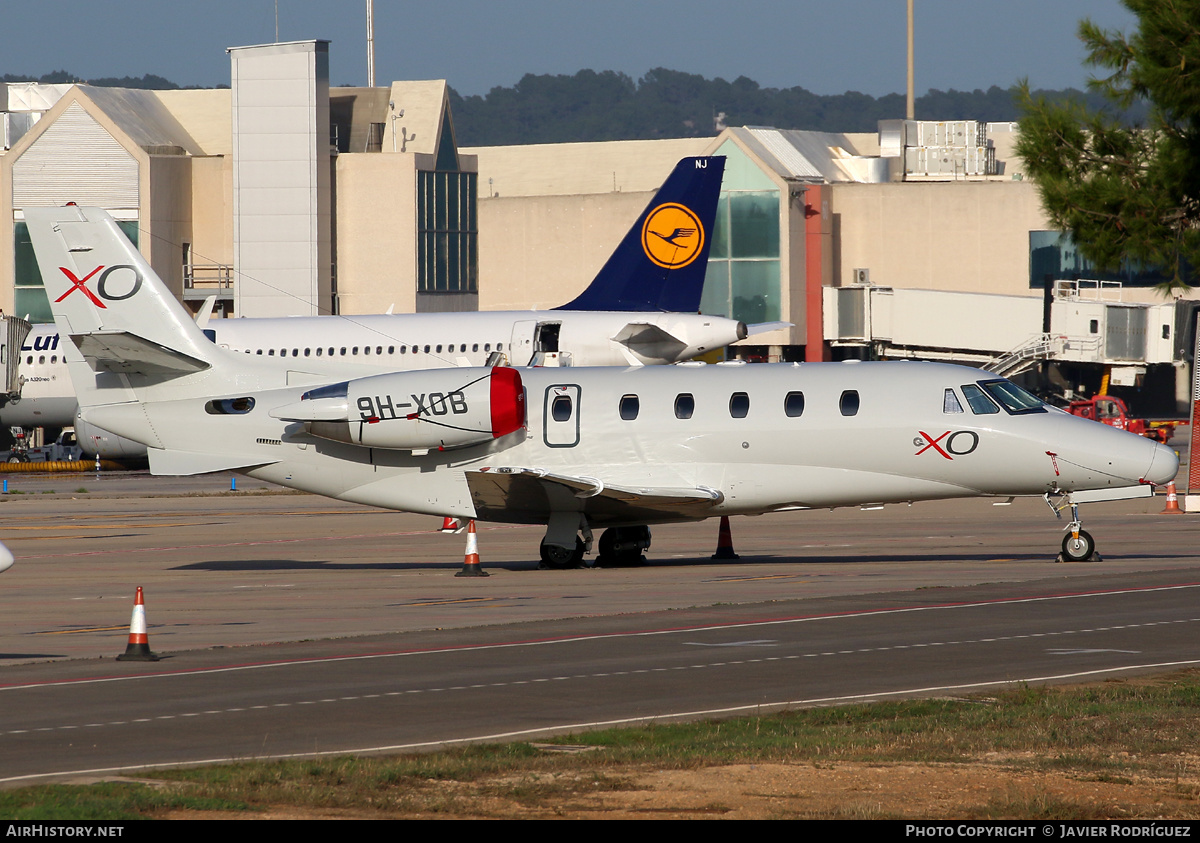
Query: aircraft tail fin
(661,263)
(108,300)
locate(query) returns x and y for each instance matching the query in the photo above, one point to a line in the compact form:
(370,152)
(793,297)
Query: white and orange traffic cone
(725,541)
(450,525)
(1172,501)
(471,567)
(138,649)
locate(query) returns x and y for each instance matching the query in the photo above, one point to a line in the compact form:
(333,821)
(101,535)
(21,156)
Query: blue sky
(826,47)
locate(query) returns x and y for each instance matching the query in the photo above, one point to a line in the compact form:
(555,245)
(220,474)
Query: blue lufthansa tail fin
(660,265)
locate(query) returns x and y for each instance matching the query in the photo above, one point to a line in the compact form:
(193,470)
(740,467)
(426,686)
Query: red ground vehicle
(1112,411)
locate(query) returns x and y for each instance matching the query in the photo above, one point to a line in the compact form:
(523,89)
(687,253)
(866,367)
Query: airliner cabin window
(629,407)
(685,405)
(793,404)
(849,403)
(950,402)
(739,405)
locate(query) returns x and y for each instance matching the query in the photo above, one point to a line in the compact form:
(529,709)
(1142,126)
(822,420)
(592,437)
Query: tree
(1127,194)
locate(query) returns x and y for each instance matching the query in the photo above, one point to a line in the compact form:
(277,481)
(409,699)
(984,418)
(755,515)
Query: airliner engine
(438,409)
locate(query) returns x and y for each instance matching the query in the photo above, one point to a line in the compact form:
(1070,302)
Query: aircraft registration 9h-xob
(641,308)
(576,449)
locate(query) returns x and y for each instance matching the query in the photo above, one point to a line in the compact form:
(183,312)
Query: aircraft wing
(121,351)
(531,494)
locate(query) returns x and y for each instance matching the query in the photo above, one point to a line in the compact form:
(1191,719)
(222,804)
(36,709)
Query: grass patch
(1112,734)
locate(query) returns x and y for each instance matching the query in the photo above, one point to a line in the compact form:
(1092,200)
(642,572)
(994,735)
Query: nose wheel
(1078,544)
(1078,547)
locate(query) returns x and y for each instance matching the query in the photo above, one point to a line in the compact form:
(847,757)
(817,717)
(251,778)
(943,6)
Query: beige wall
(541,252)
(962,236)
(168,216)
(376,233)
(212,210)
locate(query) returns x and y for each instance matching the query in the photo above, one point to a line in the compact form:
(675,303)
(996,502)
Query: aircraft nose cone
(6,558)
(1164,465)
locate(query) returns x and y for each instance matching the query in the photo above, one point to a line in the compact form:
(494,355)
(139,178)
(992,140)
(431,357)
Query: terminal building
(282,195)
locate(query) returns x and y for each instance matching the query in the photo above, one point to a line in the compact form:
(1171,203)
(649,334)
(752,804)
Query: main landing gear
(623,546)
(619,547)
(1078,544)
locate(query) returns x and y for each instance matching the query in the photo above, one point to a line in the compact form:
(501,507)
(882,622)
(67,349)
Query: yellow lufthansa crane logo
(672,236)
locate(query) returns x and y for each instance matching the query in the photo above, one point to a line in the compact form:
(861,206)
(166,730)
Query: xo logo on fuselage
(120,282)
(672,236)
(950,444)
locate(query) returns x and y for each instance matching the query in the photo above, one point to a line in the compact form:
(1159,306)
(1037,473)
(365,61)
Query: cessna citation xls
(641,308)
(575,449)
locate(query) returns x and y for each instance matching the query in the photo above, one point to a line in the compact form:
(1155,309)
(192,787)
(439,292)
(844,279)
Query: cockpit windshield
(1012,398)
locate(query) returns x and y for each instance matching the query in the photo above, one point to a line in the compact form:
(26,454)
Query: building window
(447,232)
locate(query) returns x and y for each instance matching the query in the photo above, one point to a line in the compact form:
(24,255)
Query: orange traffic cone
(725,542)
(471,566)
(450,525)
(138,649)
(1172,501)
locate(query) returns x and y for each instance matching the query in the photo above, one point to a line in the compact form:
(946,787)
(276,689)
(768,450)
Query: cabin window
(391,349)
(379,349)
(849,403)
(685,405)
(487,346)
(426,349)
(475,346)
(979,403)
(499,346)
(41,359)
(629,407)
(318,352)
(739,405)
(53,358)
(793,404)
(439,348)
(560,409)
(343,354)
(270,352)
(354,351)
(367,350)
(950,402)
(29,360)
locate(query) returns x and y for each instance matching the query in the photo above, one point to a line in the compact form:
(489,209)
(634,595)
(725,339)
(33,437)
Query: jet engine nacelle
(98,442)
(437,409)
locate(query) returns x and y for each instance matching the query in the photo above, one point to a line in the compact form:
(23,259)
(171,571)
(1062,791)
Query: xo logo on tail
(102,284)
(950,444)
(672,236)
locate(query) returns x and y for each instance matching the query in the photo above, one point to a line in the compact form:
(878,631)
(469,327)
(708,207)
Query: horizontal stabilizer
(537,493)
(187,462)
(130,354)
(650,341)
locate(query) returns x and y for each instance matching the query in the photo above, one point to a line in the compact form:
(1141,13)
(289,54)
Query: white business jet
(574,449)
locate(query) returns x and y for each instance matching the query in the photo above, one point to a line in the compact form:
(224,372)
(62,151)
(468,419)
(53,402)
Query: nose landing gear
(1078,544)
